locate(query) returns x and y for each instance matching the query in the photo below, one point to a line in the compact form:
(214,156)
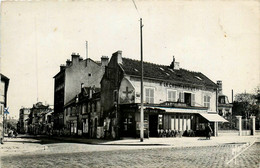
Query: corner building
(174,99)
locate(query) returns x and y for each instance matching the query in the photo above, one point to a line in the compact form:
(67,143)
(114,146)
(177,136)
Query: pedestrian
(15,133)
(208,131)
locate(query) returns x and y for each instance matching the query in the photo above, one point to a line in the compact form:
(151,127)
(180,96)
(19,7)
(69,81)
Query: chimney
(68,62)
(75,58)
(175,65)
(219,83)
(104,61)
(62,67)
(118,56)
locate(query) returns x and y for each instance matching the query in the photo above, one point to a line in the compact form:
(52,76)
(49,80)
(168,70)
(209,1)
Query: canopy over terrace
(213,117)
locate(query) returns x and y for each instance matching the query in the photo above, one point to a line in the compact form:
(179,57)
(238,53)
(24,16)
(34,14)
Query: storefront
(159,120)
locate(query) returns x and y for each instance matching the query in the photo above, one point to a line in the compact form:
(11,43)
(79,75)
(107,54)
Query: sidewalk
(46,145)
(173,142)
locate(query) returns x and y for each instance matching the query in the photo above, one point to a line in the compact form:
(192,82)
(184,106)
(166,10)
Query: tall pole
(142,103)
(86,49)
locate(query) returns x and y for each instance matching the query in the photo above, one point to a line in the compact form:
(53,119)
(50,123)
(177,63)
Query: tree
(246,105)
(11,124)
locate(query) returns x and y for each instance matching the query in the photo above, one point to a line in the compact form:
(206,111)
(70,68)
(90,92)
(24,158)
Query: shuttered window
(149,95)
(172,95)
(207,101)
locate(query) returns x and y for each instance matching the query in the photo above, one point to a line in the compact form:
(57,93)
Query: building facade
(3,103)
(36,122)
(174,99)
(23,120)
(83,114)
(224,107)
(69,81)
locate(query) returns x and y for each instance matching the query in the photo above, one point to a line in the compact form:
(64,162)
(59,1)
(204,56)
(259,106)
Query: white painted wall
(160,94)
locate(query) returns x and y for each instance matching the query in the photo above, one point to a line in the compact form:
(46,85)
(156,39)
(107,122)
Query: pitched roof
(165,73)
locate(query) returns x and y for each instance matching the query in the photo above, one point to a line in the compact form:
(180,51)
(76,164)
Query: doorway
(153,125)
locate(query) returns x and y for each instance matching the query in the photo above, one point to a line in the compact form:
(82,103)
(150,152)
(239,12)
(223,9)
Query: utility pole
(142,103)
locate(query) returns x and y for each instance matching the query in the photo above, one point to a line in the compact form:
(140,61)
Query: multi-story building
(23,120)
(68,83)
(36,120)
(83,114)
(3,102)
(174,98)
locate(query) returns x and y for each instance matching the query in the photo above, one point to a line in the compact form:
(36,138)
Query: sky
(221,39)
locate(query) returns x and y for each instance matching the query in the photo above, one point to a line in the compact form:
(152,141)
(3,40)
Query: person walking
(208,131)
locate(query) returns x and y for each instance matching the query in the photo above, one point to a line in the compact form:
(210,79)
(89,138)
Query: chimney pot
(104,60)
(118,55)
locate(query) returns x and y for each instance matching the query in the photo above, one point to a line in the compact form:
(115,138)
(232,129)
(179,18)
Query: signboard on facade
(146,125)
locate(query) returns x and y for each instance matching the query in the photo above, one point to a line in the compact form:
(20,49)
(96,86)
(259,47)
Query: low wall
(246,132)
(228,132)
(235,133)
(257,132)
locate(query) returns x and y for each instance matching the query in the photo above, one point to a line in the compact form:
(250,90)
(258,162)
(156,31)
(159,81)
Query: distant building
(23,120)
(76,74)
(3,102)
(174,99)
(224,107)
(36,120)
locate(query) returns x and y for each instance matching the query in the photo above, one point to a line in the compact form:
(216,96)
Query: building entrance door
(153,125)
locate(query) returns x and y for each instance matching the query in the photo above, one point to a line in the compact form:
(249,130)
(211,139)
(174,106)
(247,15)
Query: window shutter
(169,96)
(208,101)
(192,99)
(182,97)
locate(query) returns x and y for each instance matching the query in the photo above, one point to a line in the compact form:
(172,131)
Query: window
(172,95)
(161,69)
(207,101)
(84,109)
(149,95)
(189,99)
(199,78)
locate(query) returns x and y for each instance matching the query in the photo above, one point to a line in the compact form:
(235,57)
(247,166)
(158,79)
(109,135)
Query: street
(59,154)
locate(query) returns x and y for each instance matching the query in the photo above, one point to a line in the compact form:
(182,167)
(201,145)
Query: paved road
(211,156)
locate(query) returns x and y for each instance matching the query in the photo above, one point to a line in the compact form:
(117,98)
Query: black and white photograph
(129,83)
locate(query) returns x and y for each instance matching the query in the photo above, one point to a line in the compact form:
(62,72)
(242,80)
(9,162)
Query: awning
(213,117)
